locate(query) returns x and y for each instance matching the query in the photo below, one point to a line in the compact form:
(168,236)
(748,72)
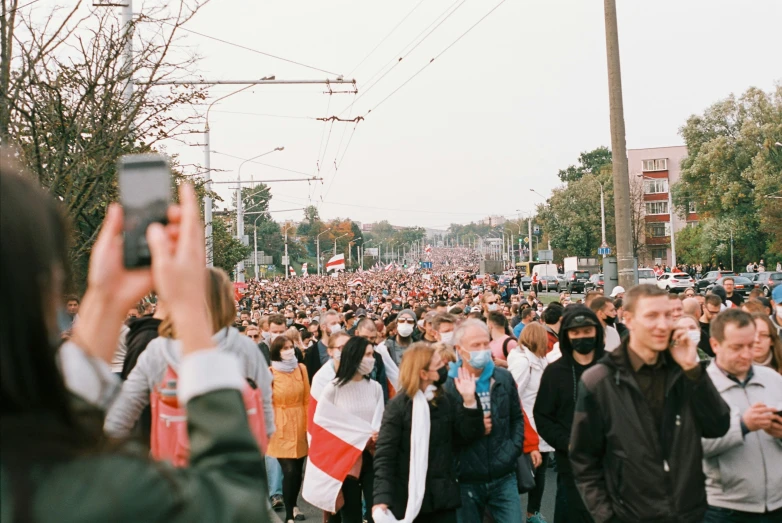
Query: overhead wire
(437,56)
(385,38)
(339,146)
(266,115)
(260,163)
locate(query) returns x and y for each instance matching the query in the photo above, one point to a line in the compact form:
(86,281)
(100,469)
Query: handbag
(525,474)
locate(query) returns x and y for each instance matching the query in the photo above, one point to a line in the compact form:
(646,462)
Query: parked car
(573,281)
(675,281)
(647,275)
(742,286)
(526,283)
(595,282)
(766,281)
(709,278)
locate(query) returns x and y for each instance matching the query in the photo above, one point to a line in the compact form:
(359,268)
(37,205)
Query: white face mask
(446,337)
(335,328)
(493,307)
(288,354)
(336,354)
(404,329)
(695,336)
(273,336)
(366,366)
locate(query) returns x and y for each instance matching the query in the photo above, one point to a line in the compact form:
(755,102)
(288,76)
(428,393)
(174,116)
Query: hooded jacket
(164,352)
(556,401)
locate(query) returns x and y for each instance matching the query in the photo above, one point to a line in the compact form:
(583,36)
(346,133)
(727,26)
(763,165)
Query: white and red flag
(336,263)
(338,439)
(292,270)
(428,249)
(355,282)
(389,267)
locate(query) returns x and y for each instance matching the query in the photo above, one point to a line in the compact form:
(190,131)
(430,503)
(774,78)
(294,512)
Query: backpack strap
(505,346)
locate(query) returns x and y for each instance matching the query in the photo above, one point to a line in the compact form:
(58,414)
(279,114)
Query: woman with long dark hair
(415,471)
(350,408)
(56,464)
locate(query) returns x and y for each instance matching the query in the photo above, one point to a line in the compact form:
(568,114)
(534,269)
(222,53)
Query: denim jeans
(568,507)
(273,476)
(500,496)
(725,515)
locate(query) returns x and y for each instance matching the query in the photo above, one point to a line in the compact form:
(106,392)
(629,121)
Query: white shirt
(527,369)
(613,340)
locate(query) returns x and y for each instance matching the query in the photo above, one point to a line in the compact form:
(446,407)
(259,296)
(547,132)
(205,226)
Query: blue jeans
(500,496)
(726,515)
(273,476)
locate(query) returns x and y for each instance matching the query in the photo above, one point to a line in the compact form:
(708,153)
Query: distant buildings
(493,221)
(655,170)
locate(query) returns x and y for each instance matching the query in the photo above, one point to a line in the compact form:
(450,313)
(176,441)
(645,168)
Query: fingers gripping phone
(145,194)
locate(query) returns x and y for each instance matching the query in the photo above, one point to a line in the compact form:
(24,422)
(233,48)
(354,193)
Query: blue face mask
(479,359)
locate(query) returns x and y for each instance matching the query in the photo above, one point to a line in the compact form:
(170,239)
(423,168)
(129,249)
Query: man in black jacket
(487,472)
(641,412)
(581,343)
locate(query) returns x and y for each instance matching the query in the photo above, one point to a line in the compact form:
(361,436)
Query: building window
(660,254)
(660,164)
(657,230)
(692,209)
(656,207)
(655,186)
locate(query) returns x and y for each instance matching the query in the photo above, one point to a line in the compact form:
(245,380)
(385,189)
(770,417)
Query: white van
(646,275)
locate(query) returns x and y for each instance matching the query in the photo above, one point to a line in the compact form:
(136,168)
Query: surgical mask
(267,337)
(442,376)
(366,366)
(695,336)
(288,354)
(289,322)
(404,329)
(584,345)
(492,307)
(273,336)
(446,337)
(336,354)
(479,359)
(335,328)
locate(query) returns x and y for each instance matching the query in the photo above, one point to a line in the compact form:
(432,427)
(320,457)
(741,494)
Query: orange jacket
(531,439)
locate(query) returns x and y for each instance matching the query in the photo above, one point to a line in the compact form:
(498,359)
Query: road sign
(526,239)
(605,251)
(426,265)
(545,255)
(536,229)
(504,256)
(285,260)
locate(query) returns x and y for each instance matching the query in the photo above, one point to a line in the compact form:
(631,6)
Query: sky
(500,111)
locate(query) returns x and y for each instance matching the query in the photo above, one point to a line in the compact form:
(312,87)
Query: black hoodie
(556,399)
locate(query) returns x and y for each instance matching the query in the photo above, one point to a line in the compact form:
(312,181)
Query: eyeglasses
(402,320)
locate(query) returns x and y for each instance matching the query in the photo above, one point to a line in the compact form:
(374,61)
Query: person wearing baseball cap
(581,342)
(618,292)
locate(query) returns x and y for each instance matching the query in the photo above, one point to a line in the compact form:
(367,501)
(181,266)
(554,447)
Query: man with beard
(606,313)
(405,324)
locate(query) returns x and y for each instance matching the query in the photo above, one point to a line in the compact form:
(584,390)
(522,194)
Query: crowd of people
(425,396)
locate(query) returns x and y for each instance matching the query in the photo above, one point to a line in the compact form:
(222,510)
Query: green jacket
(226,480)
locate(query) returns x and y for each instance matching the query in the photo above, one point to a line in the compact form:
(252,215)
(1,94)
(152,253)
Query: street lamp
(287,261)
(671,217)
(529,232)
(240,211)
(335,242)
(536,192)
(317,246)
(602,217)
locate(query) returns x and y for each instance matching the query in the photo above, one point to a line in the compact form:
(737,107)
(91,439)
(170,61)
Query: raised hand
(465,384)
(684,350)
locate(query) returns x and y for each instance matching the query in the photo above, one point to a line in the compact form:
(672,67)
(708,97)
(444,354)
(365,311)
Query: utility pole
(624,239)
(673,229)
(127,23)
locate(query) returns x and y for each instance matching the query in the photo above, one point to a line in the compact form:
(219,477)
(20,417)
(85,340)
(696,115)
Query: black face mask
(442,374)
(610,320)
(584,345)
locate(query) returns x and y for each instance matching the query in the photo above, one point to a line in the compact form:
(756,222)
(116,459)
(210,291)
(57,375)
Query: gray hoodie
(162,352)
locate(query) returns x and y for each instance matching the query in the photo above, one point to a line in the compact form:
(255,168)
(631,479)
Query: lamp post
(240,211)
(671,217)
(363,252)
(602,217)
(287,261)
(529,231)
(317,246)
(536,192)
(335,242)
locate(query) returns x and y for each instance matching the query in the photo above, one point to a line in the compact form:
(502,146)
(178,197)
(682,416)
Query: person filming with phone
(635,446)
(744,467)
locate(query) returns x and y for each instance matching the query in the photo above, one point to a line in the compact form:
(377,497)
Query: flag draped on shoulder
(336,263)
(392,371)
(338,439)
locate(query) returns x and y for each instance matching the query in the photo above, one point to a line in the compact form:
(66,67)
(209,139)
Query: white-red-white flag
(336,263)
(292,270)
(428,249)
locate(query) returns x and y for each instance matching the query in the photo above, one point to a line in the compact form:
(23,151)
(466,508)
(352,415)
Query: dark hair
(277,346)
(349,361)
(72,297)
(598,303)
(638,292)
(277,319)
(713,299)
(441,303)
(443,318)
(736,317)
(618,303)
(499,319)
(553,313)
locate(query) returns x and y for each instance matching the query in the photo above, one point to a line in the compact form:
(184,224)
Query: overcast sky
(504,109)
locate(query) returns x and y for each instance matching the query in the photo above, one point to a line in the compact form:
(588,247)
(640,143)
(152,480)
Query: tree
(63,103)
(731,168)
(590,162)
(228,251)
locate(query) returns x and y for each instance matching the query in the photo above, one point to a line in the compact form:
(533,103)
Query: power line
(383,208)
(386,37)
(266,115)
(437,56)
(259,163)
(338,165)
(255,50)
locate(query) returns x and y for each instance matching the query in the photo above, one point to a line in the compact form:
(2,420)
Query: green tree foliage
(228,251)
(731,168)
(590,162)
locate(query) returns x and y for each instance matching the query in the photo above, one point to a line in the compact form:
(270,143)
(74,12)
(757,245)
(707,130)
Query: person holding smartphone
(56,462)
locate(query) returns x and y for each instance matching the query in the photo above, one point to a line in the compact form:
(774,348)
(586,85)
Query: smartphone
(145,194)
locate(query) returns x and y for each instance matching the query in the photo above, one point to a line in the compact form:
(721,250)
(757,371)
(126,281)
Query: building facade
(652,174)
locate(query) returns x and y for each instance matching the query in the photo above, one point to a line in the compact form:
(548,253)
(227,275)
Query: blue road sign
(604,251)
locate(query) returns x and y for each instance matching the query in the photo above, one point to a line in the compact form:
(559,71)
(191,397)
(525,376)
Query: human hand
(758,417)
(684,350)
(375,436)
(465,384)
(178,256)
(775,430)
(537,459)
(501,363)
(382,507)
(487,424)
